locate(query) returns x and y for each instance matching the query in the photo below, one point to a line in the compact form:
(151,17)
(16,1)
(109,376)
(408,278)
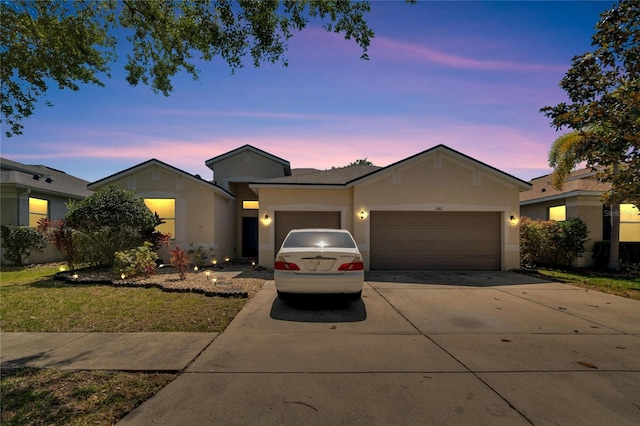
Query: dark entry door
(249,237)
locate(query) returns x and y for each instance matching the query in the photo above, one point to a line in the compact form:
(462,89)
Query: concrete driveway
(419,348)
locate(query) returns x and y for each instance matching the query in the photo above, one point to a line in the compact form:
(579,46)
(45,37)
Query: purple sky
(470,75)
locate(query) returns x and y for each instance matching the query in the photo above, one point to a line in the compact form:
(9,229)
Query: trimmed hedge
(551,243)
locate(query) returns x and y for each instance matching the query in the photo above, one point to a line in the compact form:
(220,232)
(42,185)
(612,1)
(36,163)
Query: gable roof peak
(154,161)
(210,162)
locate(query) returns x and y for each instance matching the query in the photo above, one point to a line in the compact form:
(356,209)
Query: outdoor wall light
(363,215)
(513,220)
(266,220)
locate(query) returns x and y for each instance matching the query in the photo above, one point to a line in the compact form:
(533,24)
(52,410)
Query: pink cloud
(422,53)
(325,43)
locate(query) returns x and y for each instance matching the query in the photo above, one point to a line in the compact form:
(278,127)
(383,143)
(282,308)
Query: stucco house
(32,192)
(438,209)
(580,197)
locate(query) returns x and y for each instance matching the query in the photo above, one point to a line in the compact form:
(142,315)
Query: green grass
(33,301)
(620,285)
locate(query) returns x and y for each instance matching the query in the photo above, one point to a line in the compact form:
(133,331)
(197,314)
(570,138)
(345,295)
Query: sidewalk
(167,352)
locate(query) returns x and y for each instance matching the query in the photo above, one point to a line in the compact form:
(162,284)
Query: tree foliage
(112,220)
(603,89)
(361,162)
(73,42)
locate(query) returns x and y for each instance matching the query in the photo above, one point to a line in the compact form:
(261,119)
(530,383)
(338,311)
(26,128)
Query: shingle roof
(154,161)
(582,180)
(42,178)
(339,176)
(352,174)
(210,162)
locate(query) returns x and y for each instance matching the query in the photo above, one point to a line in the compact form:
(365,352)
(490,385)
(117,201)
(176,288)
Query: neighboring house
(32,192)
(580,197)
(438,209)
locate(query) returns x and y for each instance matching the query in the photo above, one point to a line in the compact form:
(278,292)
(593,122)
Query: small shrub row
(551,243)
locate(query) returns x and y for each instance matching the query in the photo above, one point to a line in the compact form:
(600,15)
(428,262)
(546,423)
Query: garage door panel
(286,221)
(434,240)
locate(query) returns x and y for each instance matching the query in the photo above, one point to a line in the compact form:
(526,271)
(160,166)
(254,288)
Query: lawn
(618,284)
(33,301)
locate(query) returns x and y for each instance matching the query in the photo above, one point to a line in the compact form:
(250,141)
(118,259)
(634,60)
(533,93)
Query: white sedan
(319,261)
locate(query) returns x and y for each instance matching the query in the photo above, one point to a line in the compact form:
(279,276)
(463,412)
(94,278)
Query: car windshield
(319,239)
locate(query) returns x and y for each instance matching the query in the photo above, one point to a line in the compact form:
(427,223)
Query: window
(250,205)
(38,209)
(558,213)
(629,223)
(166,209)
(319,239)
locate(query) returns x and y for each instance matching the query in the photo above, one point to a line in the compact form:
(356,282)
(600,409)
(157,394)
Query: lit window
(250,205)
(166,209)
(629,223)
(558,213)
(38,209)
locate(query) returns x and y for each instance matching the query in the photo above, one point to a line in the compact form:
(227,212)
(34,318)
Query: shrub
(19,242)
(180,259)
(571,239)
(629,255)
(199,256)
(62,237)
(551,243)
(113,220)
(138,261)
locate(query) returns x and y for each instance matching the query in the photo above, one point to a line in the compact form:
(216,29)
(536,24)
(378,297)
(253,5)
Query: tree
(113,220)
(69,43)
(361,162)
(563,159)
(603,89)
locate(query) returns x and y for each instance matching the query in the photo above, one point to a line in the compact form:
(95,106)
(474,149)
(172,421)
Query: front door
(249,237)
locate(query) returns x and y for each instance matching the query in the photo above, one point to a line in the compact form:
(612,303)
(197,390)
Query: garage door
(435,240)
(286,221)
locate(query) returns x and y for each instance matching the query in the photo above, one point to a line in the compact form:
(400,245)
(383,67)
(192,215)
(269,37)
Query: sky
(470,75)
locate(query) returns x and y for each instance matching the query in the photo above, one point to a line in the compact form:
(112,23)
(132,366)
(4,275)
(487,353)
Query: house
(438,209)
(580,197)
(32,192)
